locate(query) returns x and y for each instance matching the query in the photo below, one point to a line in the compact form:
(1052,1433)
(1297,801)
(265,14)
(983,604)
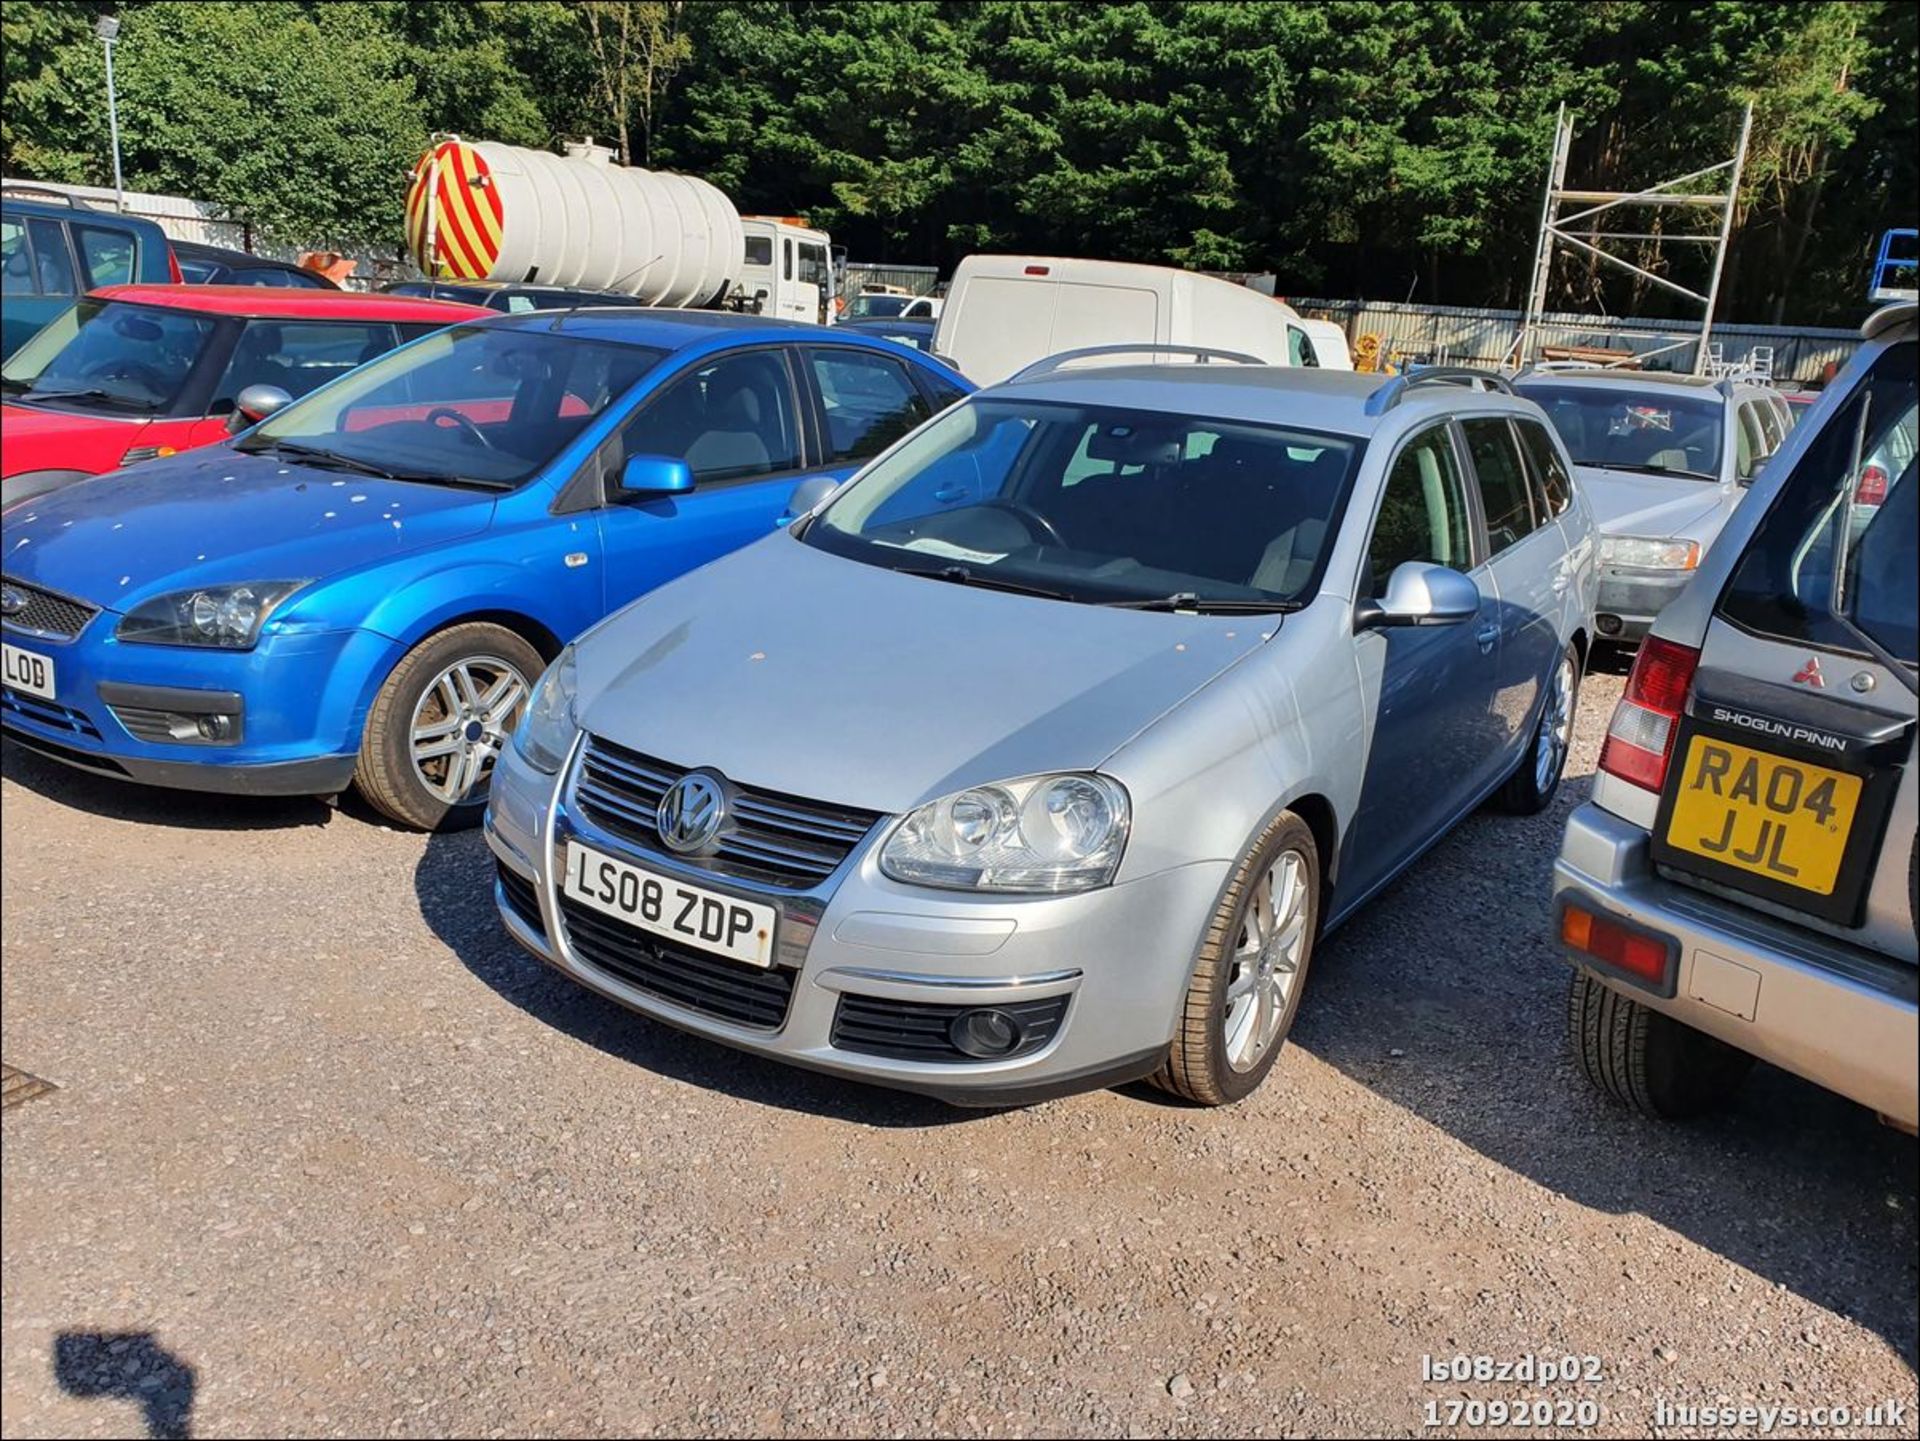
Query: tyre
(440,722)
(1531,787)
(1647,1060)
(1251,971)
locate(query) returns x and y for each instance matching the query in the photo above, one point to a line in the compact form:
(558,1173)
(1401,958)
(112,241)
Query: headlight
(227,617)
(546,731)
(1650,554)
(1041,834)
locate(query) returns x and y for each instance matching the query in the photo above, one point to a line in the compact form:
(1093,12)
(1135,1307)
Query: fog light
(215,727)
(1607,624)
(984,1033)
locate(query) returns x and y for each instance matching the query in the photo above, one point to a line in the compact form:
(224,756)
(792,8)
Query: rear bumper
(1842,1017)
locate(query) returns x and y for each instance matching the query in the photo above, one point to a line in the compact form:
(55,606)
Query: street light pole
(107,27)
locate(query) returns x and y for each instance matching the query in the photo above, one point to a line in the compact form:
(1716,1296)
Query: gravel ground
(329,1156)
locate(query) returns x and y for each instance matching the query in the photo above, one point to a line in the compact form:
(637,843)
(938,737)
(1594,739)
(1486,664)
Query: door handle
(1486,636)
(1561,580)
(948,493)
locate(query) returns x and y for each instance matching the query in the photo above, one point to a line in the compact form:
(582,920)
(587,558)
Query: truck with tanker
(477,210)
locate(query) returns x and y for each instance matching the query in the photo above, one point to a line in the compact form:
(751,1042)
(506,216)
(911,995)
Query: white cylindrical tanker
(481,211)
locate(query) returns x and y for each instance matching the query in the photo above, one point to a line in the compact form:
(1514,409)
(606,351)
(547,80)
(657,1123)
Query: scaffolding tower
(1557,230)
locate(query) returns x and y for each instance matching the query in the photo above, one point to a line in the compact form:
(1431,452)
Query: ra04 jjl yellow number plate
(1778,818)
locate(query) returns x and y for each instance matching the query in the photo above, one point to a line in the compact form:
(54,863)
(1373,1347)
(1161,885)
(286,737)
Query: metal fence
(915,279)
(1437,334)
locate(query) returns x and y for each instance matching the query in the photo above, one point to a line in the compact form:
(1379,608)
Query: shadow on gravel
(152,805)
(1454,969)
(454,885)
(128,1366)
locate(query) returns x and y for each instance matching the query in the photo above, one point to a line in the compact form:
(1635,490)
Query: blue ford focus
(361,589)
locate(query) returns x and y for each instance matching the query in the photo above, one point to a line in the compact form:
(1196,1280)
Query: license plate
(694,916)
(1758,812)
(24,670)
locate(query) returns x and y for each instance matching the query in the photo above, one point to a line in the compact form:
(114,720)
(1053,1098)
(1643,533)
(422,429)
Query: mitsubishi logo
(1809,674)
(691,813)
(12,602)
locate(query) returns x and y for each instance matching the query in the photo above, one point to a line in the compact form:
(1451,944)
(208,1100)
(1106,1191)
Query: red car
(138,371)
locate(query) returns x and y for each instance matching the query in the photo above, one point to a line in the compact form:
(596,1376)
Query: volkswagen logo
(12,602)
(691,813)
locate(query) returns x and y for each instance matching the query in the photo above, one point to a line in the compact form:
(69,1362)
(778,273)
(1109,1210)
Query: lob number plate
(692,915)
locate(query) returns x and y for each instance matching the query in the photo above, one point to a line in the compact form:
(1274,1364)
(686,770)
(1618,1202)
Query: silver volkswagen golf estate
(1039,755)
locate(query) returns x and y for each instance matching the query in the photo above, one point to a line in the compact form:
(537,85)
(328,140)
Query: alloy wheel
(1266,962)
(462,722)
(1556,727)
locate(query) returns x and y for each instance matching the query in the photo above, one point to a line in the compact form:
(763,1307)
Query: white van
(1003,312)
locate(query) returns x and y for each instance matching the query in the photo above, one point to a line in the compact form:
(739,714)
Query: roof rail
(1395,390)
(29,191)
(1202,354)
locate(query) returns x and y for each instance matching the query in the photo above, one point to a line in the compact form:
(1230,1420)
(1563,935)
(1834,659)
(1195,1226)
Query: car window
(1299,348)
(16,259)
(111,355)
(1662,429)
(52,264)
(471,404)
(1772,431)
(870,401)
(1503,481)
(731,418)
(1553,487)
(106,256)
(759,250)
(1423,512)
(199,272)
(297,357)
(1173,506)
(1749,444)
(1833,562)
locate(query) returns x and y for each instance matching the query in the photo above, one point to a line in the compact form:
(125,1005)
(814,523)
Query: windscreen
(109,355)
(1101,505)
(1662,429)
(476,405)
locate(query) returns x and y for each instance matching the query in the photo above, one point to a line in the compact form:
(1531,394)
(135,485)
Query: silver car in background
(1742,882)
(1664,459)
(1038,757)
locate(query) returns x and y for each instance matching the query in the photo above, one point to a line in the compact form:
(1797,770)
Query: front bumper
(1630,599)
(298,703)
(1120,956)
(1840,1016)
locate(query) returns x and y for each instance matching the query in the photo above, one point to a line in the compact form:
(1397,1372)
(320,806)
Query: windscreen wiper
(1639,469)
(131,402)
(961,575)
(321,458)
(1188,601)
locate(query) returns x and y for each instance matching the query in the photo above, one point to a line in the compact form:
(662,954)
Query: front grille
(47,713)
(776,839)
(918,1031)
(712,985)
(520,897)
(47,612)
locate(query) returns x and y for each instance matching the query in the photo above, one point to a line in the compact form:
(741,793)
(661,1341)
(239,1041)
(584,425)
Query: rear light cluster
(1872,489)
(1640,736)
(1639,955)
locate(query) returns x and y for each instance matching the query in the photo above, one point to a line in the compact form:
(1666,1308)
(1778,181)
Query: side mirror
(257,402)
(1419,593)
(655,475)
(806,495)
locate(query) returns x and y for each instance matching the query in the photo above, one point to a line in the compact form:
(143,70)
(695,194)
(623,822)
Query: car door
(1528,560)
(1432,748)
(38,277)
(738,419)
(1552,482)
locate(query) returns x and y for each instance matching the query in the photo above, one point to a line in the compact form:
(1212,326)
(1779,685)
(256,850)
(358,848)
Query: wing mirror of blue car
(1419,593)
(806,495)
(655,475)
